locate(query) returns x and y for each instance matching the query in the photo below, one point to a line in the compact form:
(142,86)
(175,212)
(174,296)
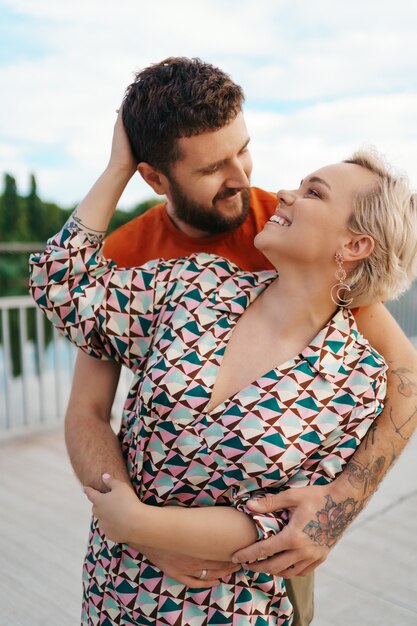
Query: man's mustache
(227,193)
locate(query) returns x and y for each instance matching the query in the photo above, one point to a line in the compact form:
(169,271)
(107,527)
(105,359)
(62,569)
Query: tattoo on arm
(398,428)
(370,436)
(366,477)
(407,388)
(75,223)
(333,520)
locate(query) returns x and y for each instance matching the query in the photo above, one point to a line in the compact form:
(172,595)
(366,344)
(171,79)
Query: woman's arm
(206,532)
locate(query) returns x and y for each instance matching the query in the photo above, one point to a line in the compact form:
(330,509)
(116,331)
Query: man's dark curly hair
(178,97)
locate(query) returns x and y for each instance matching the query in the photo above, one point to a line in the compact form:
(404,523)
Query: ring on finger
(203,574)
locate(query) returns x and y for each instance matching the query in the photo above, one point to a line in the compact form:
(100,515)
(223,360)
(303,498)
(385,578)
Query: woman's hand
(188,570)
(117,511)
(121,157)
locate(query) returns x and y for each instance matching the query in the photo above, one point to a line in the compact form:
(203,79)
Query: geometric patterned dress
(297,425)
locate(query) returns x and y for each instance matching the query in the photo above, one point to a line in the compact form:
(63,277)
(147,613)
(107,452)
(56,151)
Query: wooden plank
(44,524)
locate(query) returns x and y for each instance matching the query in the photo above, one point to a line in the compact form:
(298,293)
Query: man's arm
(92,445)
(319,515)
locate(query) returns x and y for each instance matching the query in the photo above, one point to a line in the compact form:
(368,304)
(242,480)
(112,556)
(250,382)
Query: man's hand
(318,517)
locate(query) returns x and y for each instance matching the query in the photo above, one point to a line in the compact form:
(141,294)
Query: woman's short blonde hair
(387,212)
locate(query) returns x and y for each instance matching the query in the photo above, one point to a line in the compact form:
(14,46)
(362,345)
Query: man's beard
(208,219)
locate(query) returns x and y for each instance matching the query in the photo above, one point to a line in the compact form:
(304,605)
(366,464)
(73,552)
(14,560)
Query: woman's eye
(313,192)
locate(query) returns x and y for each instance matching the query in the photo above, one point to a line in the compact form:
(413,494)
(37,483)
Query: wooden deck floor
(370,578)
(43,528)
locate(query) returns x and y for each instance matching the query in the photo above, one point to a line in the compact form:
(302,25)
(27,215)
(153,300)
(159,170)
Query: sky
(321,79)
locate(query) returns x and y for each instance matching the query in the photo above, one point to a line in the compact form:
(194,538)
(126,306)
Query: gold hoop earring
(336,292)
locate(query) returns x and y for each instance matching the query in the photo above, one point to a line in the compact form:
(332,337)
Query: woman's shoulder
(358,349)
(209,274)
(339,352)
(194,265)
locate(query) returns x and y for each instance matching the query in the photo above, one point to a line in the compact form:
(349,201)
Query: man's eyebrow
(209,166)
(316,179)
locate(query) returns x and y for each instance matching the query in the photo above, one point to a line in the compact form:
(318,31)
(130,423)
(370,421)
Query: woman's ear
(154,178)
(358,247)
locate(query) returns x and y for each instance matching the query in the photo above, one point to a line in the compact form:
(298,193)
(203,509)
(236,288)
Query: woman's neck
(290,303)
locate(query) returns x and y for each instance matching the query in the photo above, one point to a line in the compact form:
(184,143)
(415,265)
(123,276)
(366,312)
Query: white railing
(36,363)
(36,376)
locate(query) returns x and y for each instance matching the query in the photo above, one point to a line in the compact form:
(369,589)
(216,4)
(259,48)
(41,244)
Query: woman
(226,411)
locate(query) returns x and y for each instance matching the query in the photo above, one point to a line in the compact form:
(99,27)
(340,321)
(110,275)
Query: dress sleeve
(107,312)
(267,524)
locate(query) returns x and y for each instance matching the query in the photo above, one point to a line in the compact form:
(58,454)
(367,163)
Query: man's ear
(153,177)
(358,247)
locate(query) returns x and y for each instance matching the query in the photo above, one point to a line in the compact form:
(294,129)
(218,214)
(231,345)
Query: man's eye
(212,170)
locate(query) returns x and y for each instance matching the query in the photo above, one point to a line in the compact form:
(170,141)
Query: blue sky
(321,78)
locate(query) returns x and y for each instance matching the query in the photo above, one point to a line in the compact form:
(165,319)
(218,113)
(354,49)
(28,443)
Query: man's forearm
(380,448)
(92,445)
(386,438)
(93,448)
(95,210)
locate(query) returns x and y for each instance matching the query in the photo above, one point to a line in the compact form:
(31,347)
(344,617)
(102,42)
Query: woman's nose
(285,196)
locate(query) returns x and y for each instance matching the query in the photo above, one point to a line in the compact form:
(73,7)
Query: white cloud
(349,66)
(287,147)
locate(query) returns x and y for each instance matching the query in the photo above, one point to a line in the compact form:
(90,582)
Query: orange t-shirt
(153,235)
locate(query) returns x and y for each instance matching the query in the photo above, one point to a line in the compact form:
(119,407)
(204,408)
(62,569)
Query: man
(187,134)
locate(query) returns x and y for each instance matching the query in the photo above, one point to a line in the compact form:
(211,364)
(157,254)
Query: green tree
(55,218)
(13,215)
(35,213)
(30,219)
(142,207)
